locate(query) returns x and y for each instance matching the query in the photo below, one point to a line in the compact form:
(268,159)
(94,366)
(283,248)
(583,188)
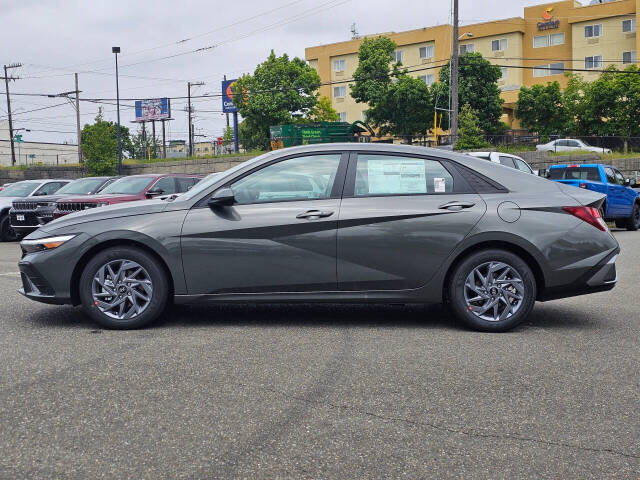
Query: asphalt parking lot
(322,391)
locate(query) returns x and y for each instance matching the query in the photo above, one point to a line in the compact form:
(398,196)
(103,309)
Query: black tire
(621,223)
(461,309)
(7,234)
(633,222)
(159,283)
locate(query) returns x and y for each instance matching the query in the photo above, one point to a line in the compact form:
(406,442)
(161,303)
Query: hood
(105,213)
(40,199)
(110,198)
(7,201)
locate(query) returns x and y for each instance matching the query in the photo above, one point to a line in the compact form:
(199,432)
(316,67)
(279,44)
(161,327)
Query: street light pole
(116,51)
(189,85)
(454,75)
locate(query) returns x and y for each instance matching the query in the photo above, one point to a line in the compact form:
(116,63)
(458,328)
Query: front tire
(492,291)
(633,222)
(123,288)
(7,234)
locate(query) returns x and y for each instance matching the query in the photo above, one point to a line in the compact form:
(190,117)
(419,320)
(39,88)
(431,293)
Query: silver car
(333,223)
(570,145)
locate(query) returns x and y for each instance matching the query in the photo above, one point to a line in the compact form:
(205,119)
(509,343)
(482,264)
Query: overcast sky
(54,38)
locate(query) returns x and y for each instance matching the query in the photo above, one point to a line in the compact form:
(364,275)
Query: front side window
(166,184)
(611,177)
(499,45)
(629,26)
(396,175)
(619,177)
(339,65)
(49,188)
(301,178)
(521,165)
(340,91)
(185,183)
(426,52)
(507,161)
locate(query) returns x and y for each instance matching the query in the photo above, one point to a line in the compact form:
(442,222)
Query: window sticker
(439,185)
(393,176)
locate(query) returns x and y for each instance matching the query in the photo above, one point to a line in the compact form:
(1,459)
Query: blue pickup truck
(623,202)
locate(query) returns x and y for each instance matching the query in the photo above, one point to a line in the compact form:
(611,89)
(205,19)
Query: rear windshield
(129,186)
(575,173)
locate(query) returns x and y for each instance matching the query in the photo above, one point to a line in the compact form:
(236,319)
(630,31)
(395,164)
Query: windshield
(210,179)
(85,186)
(20,189)
(129,186)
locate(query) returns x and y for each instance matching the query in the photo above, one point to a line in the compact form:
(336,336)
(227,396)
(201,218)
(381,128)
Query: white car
(569,145)
(26,188)
(505,159)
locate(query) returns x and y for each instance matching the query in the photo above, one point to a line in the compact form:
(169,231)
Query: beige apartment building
(533,49)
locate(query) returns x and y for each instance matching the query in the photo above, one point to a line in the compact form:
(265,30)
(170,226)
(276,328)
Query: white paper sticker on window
(439,185)
(395,176)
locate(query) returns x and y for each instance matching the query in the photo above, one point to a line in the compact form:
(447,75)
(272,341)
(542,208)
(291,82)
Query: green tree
(470,134)
(478,88)
(322,112)
(100,145)
(279,91)
(141,148)
(376,70)
(541,109)
(406,109)
(227,135)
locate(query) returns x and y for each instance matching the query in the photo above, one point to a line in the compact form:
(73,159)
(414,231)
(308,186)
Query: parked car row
(26,206)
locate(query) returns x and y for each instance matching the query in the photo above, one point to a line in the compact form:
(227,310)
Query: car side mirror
(154,192)
(222,198)
(627,182)
(543,173)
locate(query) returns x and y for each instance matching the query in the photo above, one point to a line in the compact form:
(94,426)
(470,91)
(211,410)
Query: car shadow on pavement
(551,317)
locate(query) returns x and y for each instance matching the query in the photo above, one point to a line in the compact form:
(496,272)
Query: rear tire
(633,222)
(124,288)
(492,291)
(621,223)
(7,234)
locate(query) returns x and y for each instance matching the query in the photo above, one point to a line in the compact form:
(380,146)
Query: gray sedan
(333,223)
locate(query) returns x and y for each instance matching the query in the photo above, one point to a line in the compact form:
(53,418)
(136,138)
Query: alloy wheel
(122,289)
(494,291)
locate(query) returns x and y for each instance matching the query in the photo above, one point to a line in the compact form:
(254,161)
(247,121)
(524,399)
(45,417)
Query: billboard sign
(153,109)
(227,96)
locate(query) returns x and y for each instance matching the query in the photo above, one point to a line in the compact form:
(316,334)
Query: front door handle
(456,206)
(312,214)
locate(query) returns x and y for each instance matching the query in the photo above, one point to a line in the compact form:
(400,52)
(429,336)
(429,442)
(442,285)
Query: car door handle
(314,214)
(456,205)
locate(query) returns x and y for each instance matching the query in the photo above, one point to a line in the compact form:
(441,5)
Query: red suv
(128,189)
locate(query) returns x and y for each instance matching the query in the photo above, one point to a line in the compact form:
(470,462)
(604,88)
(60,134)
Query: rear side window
(575,173)
(397,175)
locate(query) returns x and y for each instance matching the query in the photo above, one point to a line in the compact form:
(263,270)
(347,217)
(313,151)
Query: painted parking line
(10,274)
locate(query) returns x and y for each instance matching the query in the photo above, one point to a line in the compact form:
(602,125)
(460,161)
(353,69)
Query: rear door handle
(456,205)
(311,214)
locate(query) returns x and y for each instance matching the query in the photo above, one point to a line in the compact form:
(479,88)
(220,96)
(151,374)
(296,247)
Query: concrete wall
(203,166)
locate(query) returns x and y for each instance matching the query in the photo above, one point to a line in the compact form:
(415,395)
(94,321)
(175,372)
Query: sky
(52,39)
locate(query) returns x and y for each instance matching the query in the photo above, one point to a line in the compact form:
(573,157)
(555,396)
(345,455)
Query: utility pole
(116,51)
(78,121)
(189,85)
(6,83)
(454,74)
(226,114)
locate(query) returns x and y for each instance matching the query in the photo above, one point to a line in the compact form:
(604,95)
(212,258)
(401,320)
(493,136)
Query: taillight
(588,214)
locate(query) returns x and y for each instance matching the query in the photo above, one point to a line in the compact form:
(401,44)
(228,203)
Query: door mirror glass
(222,198)
(154,192)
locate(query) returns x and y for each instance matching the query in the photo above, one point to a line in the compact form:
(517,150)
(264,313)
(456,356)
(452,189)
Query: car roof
(588,165)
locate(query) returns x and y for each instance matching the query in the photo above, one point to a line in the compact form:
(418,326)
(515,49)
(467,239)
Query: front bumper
(601,278)
(36,287)
(27,221)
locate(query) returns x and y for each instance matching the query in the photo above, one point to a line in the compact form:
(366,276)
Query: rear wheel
(123,288)
(7,234)
(492,291)
(633,222)
(621,223)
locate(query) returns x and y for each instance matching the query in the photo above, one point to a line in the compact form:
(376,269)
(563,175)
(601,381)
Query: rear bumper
(600,278)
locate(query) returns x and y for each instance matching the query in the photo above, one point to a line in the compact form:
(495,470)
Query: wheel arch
(504,244)
(119,242)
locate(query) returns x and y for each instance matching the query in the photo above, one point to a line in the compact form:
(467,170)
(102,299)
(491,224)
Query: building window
(541,41)
(593,62)
(629,57)
(545,70)
(428,79)
(426,52)
(504,72)
(499,45)
(340,91)
(629,25)
(343,116)
(338,65)
(593,31)
(398,55)
(466,48)
(556,69)
(556,39)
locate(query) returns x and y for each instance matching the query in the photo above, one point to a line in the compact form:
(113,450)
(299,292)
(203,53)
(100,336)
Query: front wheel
(123,288)
(633,222)
(7,234)
(492,291)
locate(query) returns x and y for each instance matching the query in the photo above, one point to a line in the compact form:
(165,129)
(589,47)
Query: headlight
(41,244)
(103,204)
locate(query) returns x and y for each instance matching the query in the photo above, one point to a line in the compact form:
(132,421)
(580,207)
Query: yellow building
(533,49)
